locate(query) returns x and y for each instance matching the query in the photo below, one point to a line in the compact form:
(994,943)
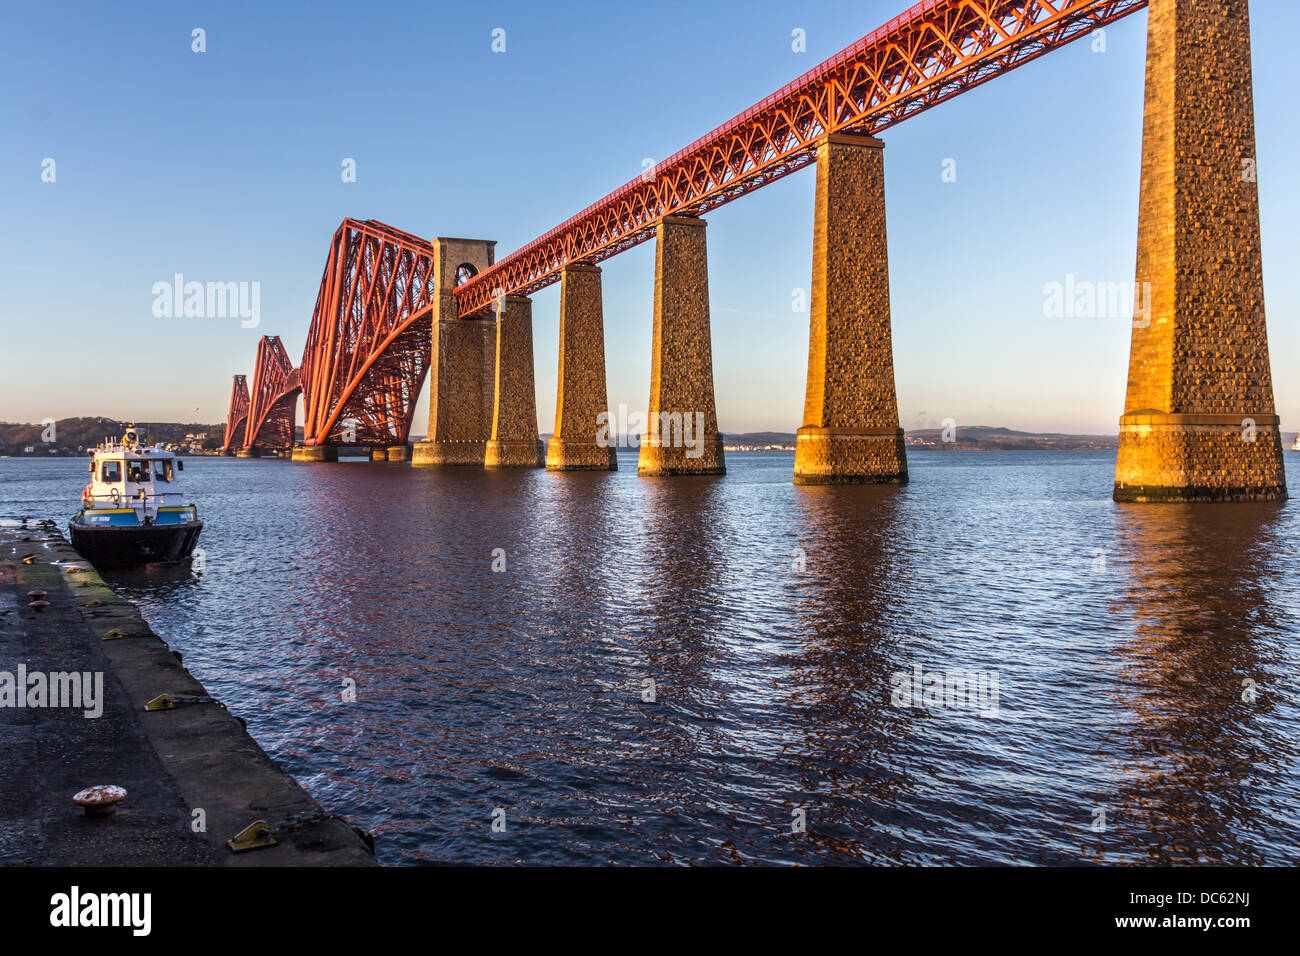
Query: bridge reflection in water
(1204,744)
(1119,635)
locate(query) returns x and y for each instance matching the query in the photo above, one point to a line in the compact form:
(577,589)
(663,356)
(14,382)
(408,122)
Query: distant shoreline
(76,436)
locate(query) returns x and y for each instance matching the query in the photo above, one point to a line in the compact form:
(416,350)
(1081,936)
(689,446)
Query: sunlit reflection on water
(683,670)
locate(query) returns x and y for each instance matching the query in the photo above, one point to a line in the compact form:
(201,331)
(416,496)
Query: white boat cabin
(133,483)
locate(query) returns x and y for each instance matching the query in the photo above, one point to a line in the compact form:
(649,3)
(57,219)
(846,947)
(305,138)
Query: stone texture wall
(315,453)
(581,396)
(462,366)
(681,356)
(1199,364)
(514,442)
(460,393)
(1191,458)
(450,253)
(850,430)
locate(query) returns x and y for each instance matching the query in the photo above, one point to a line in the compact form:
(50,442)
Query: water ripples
(1120,636)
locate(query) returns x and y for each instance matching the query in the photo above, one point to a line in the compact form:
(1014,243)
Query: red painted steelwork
(237,415)
(274,402)
(924,56)
(368,348)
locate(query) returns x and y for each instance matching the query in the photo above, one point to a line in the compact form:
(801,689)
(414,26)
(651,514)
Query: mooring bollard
(100,800)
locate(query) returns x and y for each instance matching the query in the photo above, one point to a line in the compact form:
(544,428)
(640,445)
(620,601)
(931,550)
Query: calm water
(1120,637)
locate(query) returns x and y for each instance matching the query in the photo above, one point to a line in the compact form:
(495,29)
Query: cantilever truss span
(237,415)
(368,347)
(924,56)
(274,399)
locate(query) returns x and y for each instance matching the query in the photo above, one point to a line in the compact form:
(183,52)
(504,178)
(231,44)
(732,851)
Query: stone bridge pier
(1199,420)
(581,397)
(514,442)
(463,366)
(850,431)
(681,436)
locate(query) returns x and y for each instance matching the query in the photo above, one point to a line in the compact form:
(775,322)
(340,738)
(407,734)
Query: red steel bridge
(369,344)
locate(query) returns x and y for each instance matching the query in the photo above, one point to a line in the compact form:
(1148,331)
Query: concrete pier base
(1199,458)
(315,453)
(378,454)
(460,393)
(850,432)
(1199,420)
(682,420)
(448,453)
(248,453)
(399,453)
(834,456)
(515,454)
(514,442)
(581,404)
(463,365)
(575,455)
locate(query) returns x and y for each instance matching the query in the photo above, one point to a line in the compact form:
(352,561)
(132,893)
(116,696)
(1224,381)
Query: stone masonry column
(681,435)
(850,432)
(581,398)
(1199,420)
(457,398)
(315,453)
(514,442)
(461,367)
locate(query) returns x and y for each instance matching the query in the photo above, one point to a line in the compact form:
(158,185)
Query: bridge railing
(921,57)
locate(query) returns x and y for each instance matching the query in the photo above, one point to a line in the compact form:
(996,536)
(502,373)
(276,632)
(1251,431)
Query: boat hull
(125,545)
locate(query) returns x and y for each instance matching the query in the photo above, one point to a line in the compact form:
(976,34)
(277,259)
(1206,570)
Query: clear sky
(226,166)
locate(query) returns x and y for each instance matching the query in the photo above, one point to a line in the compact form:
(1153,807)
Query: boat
(1296,446)
(133,512)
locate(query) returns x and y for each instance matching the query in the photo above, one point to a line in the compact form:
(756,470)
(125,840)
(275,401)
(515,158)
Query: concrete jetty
(194,777)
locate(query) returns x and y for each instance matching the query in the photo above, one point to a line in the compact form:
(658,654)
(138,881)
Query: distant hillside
(73,436)
(967,438)
(991,438)
(758,438)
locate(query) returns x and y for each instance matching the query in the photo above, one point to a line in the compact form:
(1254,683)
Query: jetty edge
(194,777)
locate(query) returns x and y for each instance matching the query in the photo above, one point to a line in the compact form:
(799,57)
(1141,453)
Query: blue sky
(225,166)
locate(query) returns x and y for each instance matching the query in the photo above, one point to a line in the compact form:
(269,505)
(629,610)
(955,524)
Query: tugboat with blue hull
(132,512)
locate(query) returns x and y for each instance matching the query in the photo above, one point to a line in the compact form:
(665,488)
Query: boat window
(162,469)
(111,473)
(138,471)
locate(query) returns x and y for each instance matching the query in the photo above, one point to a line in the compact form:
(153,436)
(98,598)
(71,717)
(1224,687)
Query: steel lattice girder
(274,400)
(236,415)
(926,55)
(369,344)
